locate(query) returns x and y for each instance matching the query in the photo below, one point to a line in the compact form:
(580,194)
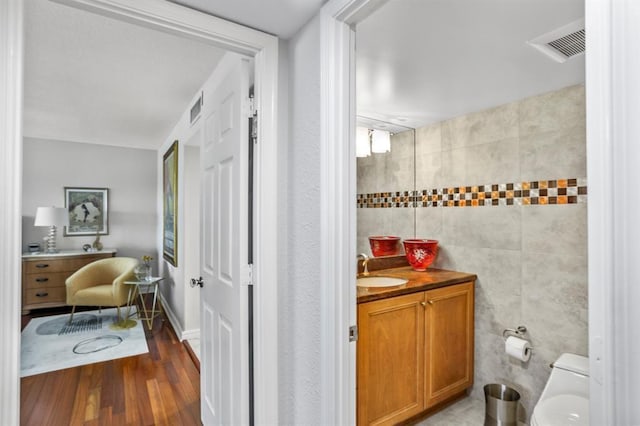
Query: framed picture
(170,205)
(88,210)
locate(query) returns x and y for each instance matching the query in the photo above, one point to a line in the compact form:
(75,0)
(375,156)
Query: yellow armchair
(101,283)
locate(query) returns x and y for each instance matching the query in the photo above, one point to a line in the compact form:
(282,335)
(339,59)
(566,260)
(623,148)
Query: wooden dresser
(44,276)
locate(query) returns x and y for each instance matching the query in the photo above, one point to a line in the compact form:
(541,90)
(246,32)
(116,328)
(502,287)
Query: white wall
(182,302)
(299,298)
(191,245)
(129,173)
(540,141)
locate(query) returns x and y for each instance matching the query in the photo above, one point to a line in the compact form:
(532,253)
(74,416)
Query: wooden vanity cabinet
(449,342)
(390,354)
(414,351)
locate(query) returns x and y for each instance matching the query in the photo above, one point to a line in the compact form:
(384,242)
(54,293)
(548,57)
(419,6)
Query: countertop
(66,253)
(417,281)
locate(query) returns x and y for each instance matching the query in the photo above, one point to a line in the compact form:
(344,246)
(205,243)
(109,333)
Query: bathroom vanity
(415,345)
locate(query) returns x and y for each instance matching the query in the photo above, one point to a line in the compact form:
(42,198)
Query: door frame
(337,203)
(174,19)
(613,93)
(612,101)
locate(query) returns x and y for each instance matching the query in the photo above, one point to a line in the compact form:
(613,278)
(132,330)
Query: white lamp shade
(363,146)
(51,216)
(380,141)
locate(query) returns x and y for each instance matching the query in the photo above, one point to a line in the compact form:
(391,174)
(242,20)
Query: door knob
(197,282)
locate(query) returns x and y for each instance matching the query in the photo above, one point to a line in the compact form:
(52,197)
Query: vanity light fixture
(374,135)
(363,144)
(380,141)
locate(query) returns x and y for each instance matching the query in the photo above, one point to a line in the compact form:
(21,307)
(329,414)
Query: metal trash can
(501,405)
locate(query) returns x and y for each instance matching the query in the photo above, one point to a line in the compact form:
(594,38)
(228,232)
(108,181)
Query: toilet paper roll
(518,348)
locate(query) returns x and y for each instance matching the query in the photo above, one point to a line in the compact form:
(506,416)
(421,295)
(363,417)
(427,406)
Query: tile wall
(529,249)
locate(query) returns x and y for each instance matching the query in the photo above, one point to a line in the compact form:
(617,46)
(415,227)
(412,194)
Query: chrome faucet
(365,260)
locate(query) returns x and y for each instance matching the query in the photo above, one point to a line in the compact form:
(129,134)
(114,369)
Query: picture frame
(170,205)
(88,210)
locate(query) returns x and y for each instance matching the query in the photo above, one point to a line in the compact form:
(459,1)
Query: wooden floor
(161,387)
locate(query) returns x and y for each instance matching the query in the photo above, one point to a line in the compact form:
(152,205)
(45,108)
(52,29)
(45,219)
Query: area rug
(50,344)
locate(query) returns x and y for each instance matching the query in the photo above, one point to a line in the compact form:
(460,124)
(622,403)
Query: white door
(224,312)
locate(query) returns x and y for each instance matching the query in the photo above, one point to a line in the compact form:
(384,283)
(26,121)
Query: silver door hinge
(250,274)
(254,128)
(252,106)
(253,119)
(353,333)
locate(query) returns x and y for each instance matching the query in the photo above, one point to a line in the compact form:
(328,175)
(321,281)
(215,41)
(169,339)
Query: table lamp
(51,217)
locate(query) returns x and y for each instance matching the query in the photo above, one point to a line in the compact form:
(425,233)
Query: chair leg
(72,311)
(119,317)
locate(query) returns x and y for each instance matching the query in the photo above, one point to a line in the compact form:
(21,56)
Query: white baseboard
(180,332)
(191,334)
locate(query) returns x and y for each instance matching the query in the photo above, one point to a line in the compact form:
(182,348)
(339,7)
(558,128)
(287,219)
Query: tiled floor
(466,412)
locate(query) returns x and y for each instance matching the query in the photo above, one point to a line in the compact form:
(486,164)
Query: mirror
(385,186)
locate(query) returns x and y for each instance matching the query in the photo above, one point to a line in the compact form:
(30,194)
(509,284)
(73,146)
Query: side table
(136,289)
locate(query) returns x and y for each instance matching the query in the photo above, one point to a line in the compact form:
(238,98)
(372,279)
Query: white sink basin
(380,281)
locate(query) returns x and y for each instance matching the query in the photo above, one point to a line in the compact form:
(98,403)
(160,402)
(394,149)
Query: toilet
(565,398)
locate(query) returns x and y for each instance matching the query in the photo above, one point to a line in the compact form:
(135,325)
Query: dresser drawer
(45,295)
(45,266)
(52,279)
(59,265)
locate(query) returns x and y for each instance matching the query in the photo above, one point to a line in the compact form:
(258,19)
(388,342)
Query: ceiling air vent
(561,44)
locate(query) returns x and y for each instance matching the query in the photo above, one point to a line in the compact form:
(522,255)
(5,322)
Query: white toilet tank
(565,398)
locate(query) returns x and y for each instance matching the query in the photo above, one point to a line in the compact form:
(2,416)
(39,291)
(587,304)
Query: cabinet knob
(423,304)
(42,265)
(42,280)
(42,294)
(430,302)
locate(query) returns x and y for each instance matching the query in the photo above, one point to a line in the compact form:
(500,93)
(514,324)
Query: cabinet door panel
(449,342)
(390,359)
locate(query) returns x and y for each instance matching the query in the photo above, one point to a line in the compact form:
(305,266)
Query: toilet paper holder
(517,332)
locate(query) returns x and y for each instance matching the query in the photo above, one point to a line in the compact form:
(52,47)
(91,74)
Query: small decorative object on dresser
(97,245)
(44,276)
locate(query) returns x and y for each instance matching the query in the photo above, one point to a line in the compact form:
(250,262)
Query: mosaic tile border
(540,192)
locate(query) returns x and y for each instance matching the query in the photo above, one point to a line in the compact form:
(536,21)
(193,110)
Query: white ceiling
(98,80)
(282,18)
(424,61)
(93,79)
